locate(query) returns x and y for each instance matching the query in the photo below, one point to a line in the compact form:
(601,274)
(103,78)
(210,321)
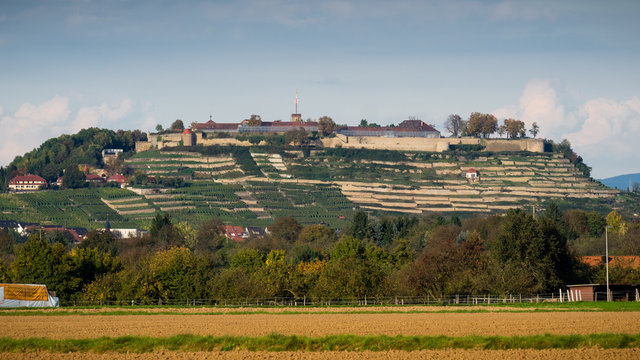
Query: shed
(472,174)
(598,292)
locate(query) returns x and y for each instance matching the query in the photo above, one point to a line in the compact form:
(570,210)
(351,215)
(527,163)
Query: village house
(94,179)
(117,178)
(235,233)
(27,182)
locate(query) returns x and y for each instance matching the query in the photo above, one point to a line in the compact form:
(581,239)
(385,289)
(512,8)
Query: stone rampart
(431,144)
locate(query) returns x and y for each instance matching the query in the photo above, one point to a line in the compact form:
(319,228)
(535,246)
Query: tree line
(374,257)
(484,125)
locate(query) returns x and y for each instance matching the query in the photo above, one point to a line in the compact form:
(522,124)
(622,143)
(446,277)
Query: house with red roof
(118,178)
(93,178)
(235,233)
(27,182)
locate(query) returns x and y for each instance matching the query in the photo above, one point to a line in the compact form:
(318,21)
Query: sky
(569,66)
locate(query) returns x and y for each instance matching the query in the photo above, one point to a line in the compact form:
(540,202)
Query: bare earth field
(315,322)
(451,324)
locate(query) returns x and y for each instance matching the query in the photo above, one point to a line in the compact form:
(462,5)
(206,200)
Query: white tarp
(26,295)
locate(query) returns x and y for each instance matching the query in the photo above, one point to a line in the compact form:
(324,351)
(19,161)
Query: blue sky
(570,66)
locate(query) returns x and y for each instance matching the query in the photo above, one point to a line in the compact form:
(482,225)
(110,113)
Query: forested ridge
(390,256)
(56,154)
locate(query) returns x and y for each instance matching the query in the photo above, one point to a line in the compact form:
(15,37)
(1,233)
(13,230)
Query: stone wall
(429,144)
(358,142)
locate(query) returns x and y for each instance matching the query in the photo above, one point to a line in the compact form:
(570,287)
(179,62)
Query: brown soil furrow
(451,324)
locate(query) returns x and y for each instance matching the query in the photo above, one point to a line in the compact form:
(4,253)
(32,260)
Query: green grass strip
(371,309)
(277,342)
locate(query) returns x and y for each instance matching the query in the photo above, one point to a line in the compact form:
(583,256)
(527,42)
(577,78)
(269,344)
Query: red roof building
(119,178)
(93,178)
(472,174)
(211,126)
(27,182)
(407,128)
(264,127)
(235,233)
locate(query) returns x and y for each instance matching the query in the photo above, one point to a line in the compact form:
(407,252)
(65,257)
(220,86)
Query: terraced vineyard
(439,183)
(73,208)
(189,164)
(253,188)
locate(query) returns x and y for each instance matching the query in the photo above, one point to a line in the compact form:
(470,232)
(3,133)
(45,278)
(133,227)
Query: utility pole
(606,244)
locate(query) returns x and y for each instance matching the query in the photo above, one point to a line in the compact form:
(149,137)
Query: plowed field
(451,324)
(95,323)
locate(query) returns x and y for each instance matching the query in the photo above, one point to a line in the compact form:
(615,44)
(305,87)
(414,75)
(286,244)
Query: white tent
(26,295)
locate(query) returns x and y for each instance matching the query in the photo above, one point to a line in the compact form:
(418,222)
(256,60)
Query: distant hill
(622,182)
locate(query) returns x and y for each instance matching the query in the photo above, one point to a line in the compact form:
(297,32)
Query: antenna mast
(296,101)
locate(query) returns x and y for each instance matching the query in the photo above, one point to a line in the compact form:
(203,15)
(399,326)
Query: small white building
(472,174)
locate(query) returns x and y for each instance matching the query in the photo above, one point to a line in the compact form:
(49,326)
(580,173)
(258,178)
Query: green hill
(254,185)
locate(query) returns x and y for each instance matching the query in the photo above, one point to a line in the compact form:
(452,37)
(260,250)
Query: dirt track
(452,324)
(578,354)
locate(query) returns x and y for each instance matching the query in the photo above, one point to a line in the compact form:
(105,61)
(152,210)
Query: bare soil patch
(450,324)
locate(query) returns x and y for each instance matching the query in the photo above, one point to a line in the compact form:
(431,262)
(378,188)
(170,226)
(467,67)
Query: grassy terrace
(600,306)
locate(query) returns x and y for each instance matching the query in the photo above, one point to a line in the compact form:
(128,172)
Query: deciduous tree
(177,125)
(454,125)
(326,126)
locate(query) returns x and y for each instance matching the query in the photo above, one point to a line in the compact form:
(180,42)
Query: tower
(296,117)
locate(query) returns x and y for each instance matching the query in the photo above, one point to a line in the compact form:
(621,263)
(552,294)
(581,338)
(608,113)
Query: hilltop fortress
(410,135)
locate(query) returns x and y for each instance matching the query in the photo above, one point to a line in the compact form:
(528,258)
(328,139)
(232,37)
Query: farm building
(26,295)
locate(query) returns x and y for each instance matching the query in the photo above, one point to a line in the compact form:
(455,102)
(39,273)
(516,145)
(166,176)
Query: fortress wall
(533,145)
(430,144)
(222,141)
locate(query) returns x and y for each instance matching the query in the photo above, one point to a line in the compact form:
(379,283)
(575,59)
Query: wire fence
(560,296)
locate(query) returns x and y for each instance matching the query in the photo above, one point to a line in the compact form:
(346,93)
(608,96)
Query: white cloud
(539,103)
(615,123)
(603,131)
(30,124)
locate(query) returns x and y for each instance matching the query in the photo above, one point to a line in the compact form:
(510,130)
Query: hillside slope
(253,186)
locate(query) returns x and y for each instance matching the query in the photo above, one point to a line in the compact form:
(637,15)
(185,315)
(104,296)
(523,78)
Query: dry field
(90,323)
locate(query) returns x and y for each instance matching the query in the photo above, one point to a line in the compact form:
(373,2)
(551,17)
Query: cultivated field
(468,332)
